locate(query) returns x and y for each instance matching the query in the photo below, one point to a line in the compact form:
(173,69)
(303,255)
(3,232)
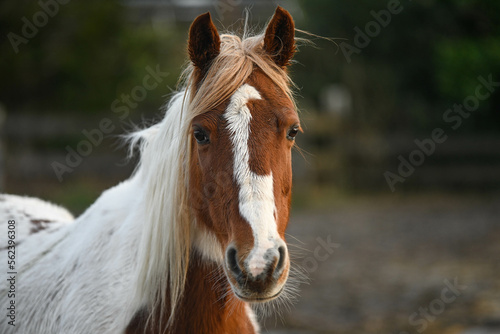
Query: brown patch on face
(213,190)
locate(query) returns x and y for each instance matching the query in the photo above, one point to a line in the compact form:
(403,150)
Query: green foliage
(426,59)
(462,60)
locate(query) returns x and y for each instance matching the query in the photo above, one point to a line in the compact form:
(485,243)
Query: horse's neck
(207,306)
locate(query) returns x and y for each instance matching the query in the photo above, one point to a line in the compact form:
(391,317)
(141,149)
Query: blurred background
(397,181)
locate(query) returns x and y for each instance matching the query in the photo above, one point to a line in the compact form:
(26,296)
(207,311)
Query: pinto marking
(256,197)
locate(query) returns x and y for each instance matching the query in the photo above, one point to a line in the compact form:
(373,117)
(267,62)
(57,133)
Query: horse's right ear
(204,42)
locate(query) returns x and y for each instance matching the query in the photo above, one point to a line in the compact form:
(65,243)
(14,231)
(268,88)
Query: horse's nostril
(281,261)
(232,261)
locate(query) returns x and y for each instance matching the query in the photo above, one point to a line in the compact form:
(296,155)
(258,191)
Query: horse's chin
(256,297)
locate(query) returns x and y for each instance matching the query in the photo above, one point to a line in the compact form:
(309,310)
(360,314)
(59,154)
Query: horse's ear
(279,40)
(204,42)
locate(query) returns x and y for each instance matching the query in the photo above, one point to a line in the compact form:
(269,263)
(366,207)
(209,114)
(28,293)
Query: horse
(195,238)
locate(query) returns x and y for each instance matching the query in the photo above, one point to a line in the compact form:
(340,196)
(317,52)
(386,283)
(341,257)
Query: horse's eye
(292,132)
(201,136)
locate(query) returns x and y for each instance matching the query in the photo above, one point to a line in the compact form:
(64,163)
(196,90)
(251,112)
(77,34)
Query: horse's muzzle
(259,277)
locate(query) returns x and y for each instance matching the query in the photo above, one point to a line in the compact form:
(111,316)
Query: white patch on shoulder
(256,196)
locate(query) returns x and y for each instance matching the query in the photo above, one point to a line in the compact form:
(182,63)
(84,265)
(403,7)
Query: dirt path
(398,265)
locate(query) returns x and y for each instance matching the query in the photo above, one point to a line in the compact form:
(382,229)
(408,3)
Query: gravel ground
(417,264)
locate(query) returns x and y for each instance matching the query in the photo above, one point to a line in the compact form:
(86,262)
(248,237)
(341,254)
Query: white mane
(165,242)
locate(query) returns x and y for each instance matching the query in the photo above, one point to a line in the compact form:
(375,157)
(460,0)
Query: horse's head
(240,172)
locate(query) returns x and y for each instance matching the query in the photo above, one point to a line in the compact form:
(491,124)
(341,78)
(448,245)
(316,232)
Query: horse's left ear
(204,42)
(279,40)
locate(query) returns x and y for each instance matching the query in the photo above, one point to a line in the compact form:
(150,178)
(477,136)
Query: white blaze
(256,197)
